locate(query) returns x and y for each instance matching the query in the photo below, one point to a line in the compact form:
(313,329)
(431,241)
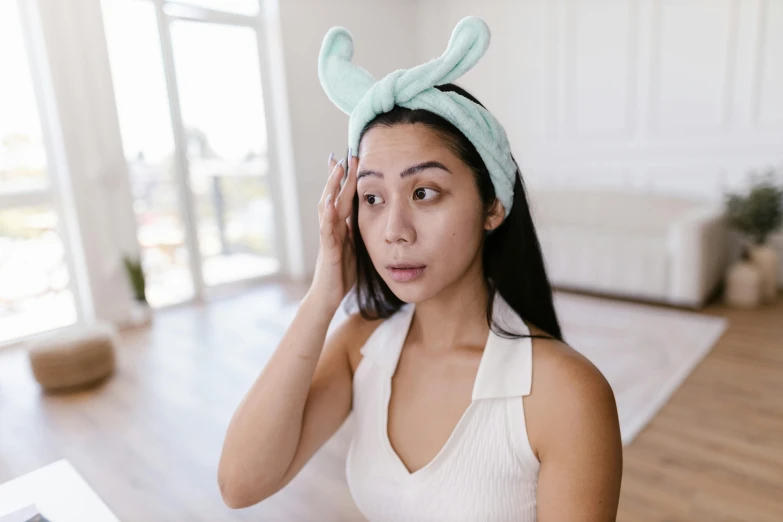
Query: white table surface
(58,491)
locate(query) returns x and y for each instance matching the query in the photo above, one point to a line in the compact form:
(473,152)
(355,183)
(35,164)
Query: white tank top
(486,471)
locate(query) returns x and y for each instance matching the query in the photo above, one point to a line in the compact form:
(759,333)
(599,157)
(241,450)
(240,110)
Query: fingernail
(350,152)
(328,198)
(331,157)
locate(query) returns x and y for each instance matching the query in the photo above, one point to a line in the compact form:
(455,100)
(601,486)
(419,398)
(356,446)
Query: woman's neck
(453,318)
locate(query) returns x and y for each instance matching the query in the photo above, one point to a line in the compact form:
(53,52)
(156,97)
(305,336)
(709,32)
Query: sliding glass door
(219,82)
(190,102)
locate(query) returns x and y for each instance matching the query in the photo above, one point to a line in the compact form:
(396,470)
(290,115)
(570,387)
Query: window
(35,284)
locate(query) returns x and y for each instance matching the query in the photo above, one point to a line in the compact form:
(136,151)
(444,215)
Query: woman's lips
(403,275)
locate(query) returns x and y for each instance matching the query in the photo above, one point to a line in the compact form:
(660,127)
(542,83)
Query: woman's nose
(398,223)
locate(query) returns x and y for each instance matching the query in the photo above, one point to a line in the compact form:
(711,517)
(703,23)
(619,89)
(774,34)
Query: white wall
(682,96)
(382,44)
(676,96)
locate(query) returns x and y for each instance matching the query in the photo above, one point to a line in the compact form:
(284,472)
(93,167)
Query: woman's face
(420,214)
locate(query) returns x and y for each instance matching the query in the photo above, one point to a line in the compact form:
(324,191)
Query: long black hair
(512,258)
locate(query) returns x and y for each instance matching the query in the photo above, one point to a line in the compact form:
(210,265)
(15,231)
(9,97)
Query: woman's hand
(335,270)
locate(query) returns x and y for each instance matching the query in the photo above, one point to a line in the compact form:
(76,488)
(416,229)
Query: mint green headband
(358,94)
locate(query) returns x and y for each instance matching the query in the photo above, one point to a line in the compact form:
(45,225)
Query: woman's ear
(495,215)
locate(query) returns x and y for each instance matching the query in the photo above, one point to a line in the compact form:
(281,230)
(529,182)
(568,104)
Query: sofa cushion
(629,211)
(607,261)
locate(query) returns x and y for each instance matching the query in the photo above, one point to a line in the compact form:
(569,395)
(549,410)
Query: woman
(468,404)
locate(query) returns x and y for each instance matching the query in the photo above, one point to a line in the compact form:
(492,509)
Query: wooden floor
(148,440)
(715,451)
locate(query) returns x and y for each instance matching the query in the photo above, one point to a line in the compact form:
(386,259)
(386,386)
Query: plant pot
(767,260)
(743,285)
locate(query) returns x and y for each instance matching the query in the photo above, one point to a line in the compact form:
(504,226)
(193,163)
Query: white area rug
(645,352)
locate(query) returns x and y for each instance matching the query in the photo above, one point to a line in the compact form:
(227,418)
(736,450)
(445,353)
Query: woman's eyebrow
(410,171)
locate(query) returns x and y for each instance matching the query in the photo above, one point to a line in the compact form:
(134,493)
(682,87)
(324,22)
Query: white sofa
(639,245)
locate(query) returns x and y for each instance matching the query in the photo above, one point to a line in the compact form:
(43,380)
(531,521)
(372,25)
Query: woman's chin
(411,292)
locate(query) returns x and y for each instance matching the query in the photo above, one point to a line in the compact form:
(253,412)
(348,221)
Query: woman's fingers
(332,183)
(349,227)
(327,223)
(337,203)
(344,201)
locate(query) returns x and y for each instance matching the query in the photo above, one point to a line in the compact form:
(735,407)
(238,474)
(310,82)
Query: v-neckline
(386,402)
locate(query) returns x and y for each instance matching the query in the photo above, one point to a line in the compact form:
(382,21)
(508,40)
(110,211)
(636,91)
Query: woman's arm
(298,401)
(302,395)
(576,433)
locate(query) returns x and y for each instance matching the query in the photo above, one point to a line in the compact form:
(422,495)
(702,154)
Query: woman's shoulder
(556,364)
(567,391)
(562,373)
(357,330)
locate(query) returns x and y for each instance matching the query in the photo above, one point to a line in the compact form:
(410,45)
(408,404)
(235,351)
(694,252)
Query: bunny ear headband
(354,91)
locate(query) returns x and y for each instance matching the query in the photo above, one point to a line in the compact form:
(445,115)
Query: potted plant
(141,311)
(757,214)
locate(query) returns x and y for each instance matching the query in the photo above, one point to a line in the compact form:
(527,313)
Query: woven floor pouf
(76,359)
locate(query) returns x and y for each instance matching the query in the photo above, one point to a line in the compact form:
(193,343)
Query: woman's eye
(372,199)
(421,193)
